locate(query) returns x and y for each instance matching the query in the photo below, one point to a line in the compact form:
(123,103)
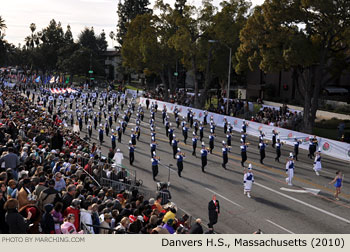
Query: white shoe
(290,184)
(244,192)
(286,180)
(248,195)
(317,173)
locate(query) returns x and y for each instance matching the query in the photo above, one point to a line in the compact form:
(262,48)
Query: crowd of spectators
(281,117)
(48,181)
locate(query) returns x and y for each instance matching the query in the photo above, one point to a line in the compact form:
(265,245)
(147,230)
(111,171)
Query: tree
(127,11)
(2,27)
(33,39)
(225,27)
(309,37)
(53,38)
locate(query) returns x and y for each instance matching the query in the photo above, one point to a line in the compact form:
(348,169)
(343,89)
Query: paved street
(306,207)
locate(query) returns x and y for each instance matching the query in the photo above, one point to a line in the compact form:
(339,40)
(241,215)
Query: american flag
(62,90)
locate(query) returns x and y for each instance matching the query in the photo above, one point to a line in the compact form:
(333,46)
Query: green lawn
(131,87)
(328,133)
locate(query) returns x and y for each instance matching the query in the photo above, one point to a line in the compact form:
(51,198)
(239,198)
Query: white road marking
(303,203)
(234,203)
(312,190)
(280,226)
(307,190)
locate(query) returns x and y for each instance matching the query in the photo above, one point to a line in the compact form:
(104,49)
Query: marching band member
(228,139)
(201,131)
(89,128)
(225,125)
(174,144)
(290,169)
(204,154)
(138,132)
(113,139)
(194,143)
(155,161)
(243,152)
(274,137)
(133,137)
(243,136)
(278,150)
(119,130)
(100,134)
(211,141)
(177,121)
(153,146)
(205,117)
(212,126)
(131,153)
(317,162)
(180,156)
(296,147)
(248,180)
(224,154)
(244,126)
(107,127)
(262,147)
(171,133)
(184,132)
(163,113)
(167,124)
(195,125)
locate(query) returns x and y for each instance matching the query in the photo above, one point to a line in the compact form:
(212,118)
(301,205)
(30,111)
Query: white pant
(318,166)
(290,176)
(248,186)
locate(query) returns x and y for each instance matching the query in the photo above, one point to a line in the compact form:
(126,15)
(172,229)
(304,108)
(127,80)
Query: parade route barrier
(329,147)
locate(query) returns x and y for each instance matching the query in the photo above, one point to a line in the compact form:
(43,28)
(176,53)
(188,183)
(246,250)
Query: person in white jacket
(248,181)
(117,159)
(76,127)
(86,216)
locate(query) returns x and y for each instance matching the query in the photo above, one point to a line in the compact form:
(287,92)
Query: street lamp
(229,71)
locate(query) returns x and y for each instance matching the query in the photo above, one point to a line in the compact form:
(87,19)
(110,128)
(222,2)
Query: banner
(329,147)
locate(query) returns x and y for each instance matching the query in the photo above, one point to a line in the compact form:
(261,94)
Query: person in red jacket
(74,208)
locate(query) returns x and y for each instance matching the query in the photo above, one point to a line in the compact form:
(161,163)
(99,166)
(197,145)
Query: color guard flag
(52,79)
(37,79)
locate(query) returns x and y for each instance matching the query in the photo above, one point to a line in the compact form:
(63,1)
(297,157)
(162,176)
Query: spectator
(49,196)
(68,226)
(69,196)
(57,217)
(197,227)
(60,184)
(122,226)
(17,223)
(25,195)
(86,216)
(47,221)
(11,161)
(74,209)
(169,226)
(4,229)
(106,224)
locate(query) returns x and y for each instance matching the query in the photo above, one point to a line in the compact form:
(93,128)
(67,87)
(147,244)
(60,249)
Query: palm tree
(34,38)
(2,26)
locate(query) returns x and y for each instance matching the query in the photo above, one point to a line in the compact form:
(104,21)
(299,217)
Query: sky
(101,14)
